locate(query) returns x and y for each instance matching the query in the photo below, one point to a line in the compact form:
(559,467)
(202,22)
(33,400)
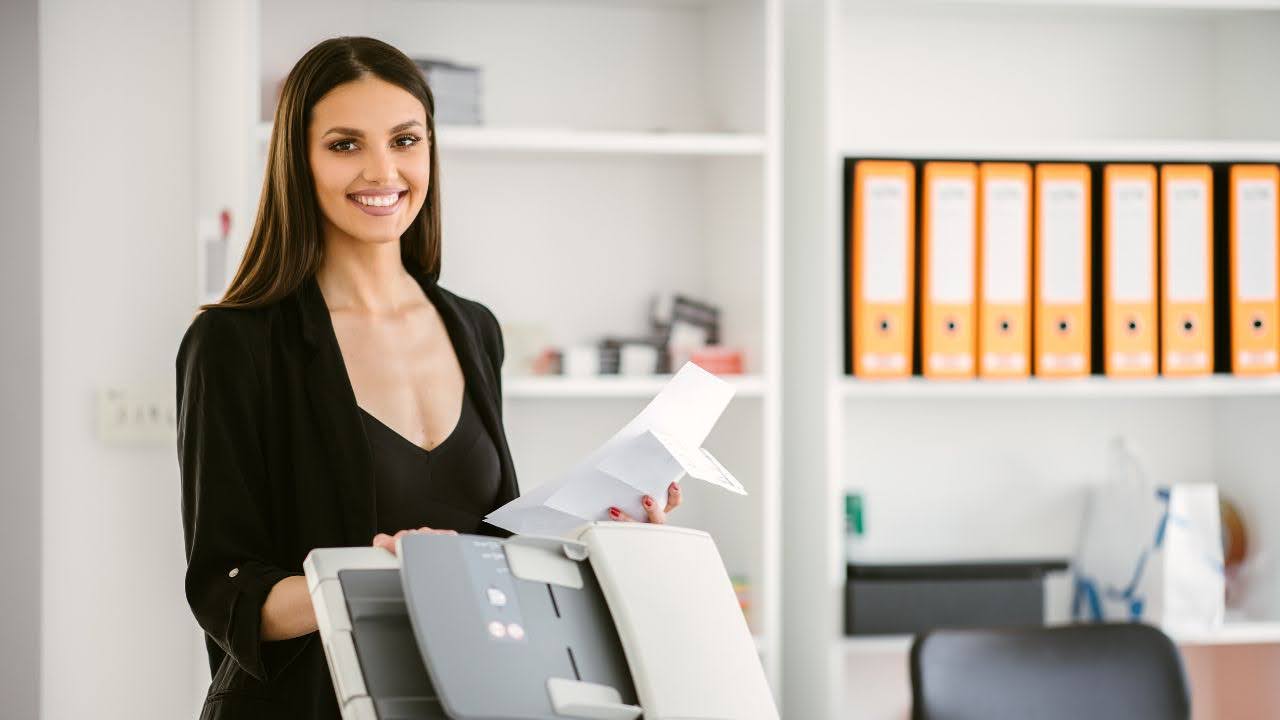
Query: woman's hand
(388,542)
(656,512)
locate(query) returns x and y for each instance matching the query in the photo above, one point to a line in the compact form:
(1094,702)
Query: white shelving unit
(1137,150)
(1216,386)
(617,143)
(985,469)
(746,386)
(460,138)
(629,148)
(1232,633)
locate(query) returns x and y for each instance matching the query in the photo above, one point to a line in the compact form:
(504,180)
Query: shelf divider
(1214,386)
(610,386)
(564,141)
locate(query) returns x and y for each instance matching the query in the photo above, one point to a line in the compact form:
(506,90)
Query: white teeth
(377,200)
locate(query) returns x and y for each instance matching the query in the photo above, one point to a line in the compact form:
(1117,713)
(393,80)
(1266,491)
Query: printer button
(497,598)
(497,629)
(234,572)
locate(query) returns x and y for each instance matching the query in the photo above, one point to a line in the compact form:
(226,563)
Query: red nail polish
(614,512)
(647,502)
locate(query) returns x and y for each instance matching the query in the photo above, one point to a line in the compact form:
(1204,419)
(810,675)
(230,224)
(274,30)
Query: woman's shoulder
(222,322)
(477,313)
(481,319)
(224,331)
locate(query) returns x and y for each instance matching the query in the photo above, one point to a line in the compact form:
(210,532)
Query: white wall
(916,73)
(550,64)
(117,207)
(1004,478)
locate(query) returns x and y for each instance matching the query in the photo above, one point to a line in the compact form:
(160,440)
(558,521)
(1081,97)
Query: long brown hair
(287,243)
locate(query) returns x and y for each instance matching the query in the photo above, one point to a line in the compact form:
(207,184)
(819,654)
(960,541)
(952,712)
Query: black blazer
(275,462)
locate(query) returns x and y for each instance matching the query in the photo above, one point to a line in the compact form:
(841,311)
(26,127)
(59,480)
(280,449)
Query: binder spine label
(884,261)
(1064,242)
(1187,231)
(1256,259)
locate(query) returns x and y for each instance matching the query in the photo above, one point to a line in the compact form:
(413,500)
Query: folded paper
(658,447)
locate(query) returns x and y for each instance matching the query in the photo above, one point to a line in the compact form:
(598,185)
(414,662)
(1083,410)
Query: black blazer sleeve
(224,492)
(489,331)
(496,350)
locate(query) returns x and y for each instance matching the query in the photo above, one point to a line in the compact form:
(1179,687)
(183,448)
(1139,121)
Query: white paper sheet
(658,446)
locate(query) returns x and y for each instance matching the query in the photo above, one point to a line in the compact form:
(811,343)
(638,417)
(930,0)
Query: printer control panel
(494,590)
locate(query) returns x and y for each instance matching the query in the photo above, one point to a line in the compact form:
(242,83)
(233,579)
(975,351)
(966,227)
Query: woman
(337,395)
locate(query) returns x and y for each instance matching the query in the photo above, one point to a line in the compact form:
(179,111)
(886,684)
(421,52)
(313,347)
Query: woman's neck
(366,278)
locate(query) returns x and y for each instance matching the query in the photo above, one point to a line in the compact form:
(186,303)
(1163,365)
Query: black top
(445,488)
(274,462)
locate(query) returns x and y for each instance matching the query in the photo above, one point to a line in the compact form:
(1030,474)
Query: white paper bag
(1150,553)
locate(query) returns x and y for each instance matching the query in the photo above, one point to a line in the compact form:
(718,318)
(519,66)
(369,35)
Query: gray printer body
(620,621)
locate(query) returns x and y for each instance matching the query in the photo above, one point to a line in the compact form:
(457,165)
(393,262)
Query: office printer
(616,621)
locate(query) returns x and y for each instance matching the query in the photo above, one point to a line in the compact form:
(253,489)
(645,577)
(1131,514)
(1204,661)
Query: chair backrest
(1077,671)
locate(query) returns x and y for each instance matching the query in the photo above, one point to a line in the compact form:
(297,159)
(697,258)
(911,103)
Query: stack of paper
(659,446)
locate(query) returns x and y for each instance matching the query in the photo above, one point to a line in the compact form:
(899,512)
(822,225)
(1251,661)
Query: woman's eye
(403,141)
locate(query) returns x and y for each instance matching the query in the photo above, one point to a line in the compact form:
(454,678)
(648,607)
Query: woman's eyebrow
(359,133)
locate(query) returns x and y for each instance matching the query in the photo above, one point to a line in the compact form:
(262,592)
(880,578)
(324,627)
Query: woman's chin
(367,238)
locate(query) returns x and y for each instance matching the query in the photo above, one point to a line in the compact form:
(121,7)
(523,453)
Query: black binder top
(995,570)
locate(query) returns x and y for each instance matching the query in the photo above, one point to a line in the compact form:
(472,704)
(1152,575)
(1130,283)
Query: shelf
(1091,387)
(614,386)
(617,143)
(1109,150)
(528,140)
(897,644)
(1231,633)
(1203,5)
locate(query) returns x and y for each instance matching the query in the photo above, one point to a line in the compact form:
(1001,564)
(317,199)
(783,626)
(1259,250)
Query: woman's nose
(380,166)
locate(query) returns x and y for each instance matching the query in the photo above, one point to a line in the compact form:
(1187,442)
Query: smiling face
(370,159)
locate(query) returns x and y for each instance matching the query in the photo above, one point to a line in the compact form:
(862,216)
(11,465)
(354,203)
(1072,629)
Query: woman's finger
(654,510)
(673,497)
(435,531)
(386,542)
(618,514)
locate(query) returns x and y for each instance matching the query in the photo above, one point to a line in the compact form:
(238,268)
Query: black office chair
(1121,671)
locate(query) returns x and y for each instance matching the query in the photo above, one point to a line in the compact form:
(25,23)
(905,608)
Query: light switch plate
(137,416)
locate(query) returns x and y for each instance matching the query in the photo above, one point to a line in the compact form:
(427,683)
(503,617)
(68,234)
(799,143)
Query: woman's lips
(379,210)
